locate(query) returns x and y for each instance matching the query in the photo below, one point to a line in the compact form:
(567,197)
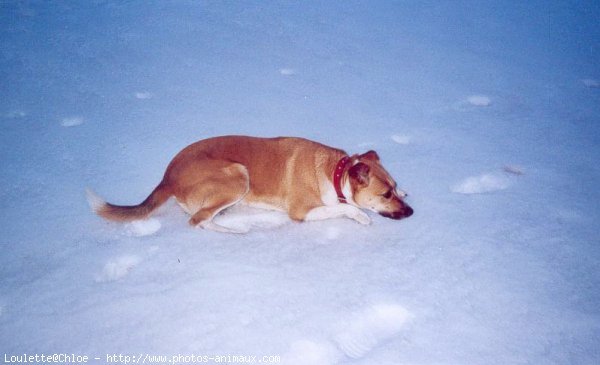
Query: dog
(306,179)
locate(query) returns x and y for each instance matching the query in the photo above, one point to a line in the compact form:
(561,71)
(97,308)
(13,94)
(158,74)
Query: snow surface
(505,277)
(479,100)
(71,121)
(481,184)
(144,227)
(143,95)
(591,83)
(118,268)
(287,71)
(400,138)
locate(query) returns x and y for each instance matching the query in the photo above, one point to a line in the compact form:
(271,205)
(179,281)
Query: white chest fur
(329,195)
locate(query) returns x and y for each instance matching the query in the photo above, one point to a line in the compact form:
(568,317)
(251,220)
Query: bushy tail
(123,213)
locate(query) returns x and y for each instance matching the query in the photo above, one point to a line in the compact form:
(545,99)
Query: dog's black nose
(404,213)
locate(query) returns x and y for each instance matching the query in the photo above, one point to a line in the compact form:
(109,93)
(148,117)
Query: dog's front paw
(361,217)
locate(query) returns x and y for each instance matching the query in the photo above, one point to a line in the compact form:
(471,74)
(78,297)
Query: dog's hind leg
(224,185)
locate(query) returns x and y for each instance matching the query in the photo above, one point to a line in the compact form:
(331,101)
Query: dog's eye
(387,194)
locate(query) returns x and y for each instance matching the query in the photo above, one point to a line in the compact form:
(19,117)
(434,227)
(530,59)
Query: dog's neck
(338,177)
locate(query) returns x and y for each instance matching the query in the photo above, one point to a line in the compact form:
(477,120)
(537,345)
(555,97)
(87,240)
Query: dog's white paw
(361,217)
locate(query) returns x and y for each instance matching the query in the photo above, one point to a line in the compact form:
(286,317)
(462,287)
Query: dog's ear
(370,155)
(360,173)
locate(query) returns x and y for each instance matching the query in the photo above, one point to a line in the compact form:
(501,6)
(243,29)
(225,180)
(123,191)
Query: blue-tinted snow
(485,112)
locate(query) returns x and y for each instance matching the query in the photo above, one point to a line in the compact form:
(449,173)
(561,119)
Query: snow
(306,352)
(117,269)
(141,228)
(15,114)
(486,114)
(479,100)
(591,83)
(71,121)
(287,71)
(514,169)
(400,138)
(143,95)
(484,183)
(364,331)
(354,337)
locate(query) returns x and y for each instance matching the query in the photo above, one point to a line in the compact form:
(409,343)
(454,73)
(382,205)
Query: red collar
(340,168)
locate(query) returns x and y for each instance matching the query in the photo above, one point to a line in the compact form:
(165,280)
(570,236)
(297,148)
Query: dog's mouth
(404,213)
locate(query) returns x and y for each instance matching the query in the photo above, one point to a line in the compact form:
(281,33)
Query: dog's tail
(122,213)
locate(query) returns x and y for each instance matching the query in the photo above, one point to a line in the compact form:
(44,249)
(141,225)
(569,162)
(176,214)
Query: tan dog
(308,180)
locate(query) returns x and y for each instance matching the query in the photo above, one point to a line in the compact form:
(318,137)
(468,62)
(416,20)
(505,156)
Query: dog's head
(373,188)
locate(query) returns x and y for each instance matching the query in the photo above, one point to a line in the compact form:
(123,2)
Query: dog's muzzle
(404,213)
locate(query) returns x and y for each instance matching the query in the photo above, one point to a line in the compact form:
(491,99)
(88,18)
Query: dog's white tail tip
(95,202)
